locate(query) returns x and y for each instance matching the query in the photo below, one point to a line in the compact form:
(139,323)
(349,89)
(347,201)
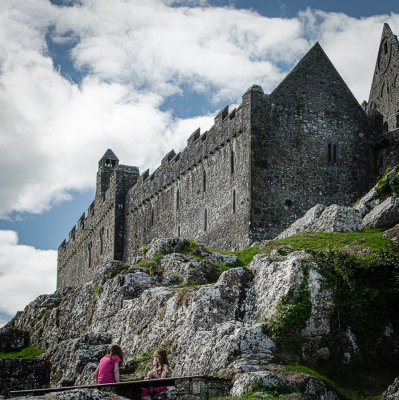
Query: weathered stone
(71,356)
(168,246)
(12,340)
(302,223)
(16,374)
(178,268)
(392,393)
(385,215)
(224,259)
(248,381)
(393,233)
(326,219)
(337,219)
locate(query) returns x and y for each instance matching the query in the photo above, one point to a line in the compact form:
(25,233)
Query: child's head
(115,349)
(160,357)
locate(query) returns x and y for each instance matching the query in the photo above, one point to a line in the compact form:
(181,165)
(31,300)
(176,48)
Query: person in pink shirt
(108,368)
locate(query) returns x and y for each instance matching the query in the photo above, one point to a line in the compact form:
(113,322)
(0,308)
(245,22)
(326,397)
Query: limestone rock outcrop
(384,215)
(12,340)
(334,218)
(220,325)
(392,393)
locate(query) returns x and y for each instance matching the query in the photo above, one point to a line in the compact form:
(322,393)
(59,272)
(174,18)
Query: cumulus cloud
(133,55)
(25,273)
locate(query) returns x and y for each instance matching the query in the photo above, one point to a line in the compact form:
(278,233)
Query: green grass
(319,241)
(27,353)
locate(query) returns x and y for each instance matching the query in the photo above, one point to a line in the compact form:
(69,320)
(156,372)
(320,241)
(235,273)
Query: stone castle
(260,167)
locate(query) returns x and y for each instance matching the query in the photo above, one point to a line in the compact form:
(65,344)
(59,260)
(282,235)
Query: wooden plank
(130,384)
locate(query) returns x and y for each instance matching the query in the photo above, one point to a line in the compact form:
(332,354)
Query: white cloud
(138,53)
(25,273)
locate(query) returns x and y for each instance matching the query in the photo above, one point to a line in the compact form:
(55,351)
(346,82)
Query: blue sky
(138,77)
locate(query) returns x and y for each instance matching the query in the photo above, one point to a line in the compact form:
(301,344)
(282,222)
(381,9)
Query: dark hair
(115,349)
(163,358)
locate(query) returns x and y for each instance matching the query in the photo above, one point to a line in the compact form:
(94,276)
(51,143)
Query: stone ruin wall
(310,114)
(104,223)
(152,206)
(384,93)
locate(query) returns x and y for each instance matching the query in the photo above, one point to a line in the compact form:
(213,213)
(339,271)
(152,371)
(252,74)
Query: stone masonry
(259,168)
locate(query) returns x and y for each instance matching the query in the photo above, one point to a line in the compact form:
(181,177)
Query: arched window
(177,199)
(204,180)
(205,220)
(232,162)
(234,201)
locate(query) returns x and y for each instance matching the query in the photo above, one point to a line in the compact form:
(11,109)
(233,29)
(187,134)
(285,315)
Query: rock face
(392,393)
(23,374)
(12,340)
(384,215)
(326,219)
(220,325)
(224,326)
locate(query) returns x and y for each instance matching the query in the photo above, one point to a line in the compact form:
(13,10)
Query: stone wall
(99,236)
(202,192)
(18,374)
(386,152)
(311,144)
(384,93)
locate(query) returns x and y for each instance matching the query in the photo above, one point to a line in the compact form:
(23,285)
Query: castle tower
(384,93)
(108,163)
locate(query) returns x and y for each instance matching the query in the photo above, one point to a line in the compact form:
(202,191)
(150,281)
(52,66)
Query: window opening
(178,231)
(329,152)
(101,240)
(89,253)
(385,126)
(232,162)
(205,220)
(335,154)
(385,47)
(234,201)
(177,199)
(204,180)
(152,217)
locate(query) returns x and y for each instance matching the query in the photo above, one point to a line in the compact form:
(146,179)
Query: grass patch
(320,241)
(28,353)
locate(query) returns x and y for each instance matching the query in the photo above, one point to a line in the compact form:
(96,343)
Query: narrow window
(152,217)
(178,231)
(204,181)
(89,253)
(205,220)
(107,236)
(234,201)
(232,162)
(177,199)
(397,119)
(385,126)
(385,47)
(101,240)
(329,152)
(335,154)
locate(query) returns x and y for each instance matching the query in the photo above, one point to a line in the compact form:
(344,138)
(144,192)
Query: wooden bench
(199,386)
